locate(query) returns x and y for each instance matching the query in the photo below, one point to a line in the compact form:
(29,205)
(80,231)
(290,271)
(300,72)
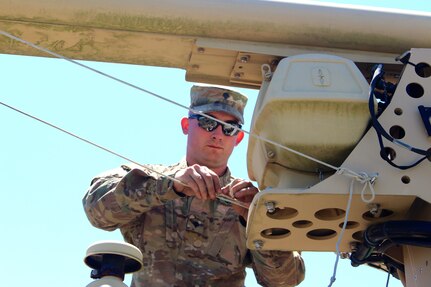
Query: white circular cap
(133,256)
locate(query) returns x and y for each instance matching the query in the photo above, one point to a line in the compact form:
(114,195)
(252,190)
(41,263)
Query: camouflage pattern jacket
(185,241)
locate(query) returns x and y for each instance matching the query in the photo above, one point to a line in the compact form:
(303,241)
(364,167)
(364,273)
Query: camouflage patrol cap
(218,99)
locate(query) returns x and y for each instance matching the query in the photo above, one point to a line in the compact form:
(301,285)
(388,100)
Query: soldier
(187,235)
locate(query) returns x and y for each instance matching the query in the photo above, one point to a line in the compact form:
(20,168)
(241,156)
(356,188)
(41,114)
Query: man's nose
(218,132)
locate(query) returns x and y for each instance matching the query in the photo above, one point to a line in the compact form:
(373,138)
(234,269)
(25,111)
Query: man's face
(211,149)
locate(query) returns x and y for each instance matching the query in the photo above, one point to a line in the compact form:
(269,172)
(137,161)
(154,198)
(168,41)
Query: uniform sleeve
(119,196)
(278,268)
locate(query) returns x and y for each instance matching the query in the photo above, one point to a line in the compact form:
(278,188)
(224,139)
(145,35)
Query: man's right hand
(197,181)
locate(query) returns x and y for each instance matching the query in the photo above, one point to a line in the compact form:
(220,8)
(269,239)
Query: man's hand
(243,191)
(198,181)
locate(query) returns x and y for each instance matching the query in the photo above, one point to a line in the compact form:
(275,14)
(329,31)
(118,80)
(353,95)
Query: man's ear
(239,137)
(185,125)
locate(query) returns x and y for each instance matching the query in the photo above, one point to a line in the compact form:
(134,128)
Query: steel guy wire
(219,196)
(90,68)
(343,171)
(164,98)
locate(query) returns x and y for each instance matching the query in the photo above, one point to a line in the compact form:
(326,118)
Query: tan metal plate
(313,221)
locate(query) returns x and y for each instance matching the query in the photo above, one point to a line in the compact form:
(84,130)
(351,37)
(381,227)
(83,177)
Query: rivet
(201,50)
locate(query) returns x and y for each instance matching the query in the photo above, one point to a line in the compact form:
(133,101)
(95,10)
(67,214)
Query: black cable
(377,77)
(380,237)
(404,232)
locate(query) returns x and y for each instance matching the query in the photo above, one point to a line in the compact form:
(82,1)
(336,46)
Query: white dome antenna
(110,261)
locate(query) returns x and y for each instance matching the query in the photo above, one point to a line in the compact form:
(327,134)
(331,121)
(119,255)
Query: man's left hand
(243,191)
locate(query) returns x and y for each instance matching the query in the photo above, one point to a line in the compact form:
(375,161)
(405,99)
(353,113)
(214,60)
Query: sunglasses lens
(209,125)
(230,130)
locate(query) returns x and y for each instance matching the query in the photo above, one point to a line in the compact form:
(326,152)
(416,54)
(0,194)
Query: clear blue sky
(44,173)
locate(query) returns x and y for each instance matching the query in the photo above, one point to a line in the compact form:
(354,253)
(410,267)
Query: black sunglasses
(232,129)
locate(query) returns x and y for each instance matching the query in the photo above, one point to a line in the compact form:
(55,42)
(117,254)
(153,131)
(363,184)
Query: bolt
(374,178)
(201,50)
(270,206)
(195,67)
(375,209)
(270,154)
(244,59)
(258,244)
(238,75)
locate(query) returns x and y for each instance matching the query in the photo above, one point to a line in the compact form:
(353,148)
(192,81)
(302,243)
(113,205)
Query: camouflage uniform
(185,241)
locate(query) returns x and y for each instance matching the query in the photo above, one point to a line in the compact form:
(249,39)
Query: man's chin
(213,162)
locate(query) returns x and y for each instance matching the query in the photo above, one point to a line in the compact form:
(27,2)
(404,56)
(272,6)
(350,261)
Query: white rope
(340,237)
(365,180)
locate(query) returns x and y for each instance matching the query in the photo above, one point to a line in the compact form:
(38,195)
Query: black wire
(377,77)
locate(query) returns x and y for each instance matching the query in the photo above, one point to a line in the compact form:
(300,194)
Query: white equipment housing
(315,104)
